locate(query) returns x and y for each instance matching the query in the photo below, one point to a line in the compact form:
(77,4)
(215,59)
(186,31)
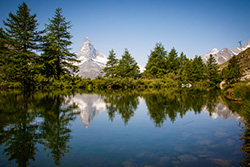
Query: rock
(164,161)
(128,164)
(187,158)
(204,142)
(221,162)
(221,134)
(230,142)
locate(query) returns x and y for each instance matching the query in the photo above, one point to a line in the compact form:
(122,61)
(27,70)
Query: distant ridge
(244,59)
(221,56)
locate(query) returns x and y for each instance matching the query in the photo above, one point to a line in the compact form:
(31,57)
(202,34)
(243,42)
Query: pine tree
(211,70)
(156,65)
(127,66)
(57,58)
(111,64)
(233,71)
(187,70)
(198,69)
(22,40)
(172,61)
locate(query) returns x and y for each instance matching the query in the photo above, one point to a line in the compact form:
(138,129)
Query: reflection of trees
(18,127)
(54,129)
(124,103)
(29,118)
(245,136)
(164,104)
(212,100)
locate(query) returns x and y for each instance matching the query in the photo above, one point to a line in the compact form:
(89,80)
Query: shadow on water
(44,117)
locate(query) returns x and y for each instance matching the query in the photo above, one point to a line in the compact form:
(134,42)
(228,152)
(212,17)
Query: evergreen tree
(211,70)
(111,64)
(57,58)
(156,65)
(127,66)
(198,68)
(187,71)
(22,40)
(172,61)
(233,71)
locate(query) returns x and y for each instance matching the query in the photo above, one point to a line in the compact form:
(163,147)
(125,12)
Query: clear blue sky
(192,26)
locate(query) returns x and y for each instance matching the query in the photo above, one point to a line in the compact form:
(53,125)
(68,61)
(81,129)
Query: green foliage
(241,90)
(111,65)
(233,72)
(212,71)
(127,66)
(156,65)
(172,63)
(21,39)
(57,59)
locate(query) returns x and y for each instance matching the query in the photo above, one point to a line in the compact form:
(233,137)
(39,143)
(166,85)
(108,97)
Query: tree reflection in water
(168,104)
(245,136)
(31,118)
(124,103)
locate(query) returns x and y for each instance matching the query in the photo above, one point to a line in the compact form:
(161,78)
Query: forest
(22,67)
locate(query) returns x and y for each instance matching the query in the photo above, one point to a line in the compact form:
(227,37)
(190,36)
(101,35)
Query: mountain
(92,61)
(225,54)
(222,111)
(244,59)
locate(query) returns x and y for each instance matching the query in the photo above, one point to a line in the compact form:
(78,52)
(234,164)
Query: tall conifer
(127,66)
(111,64)
(22,40)
(58,60)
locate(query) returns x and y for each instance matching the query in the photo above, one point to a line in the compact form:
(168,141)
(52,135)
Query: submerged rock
(187,158)
(128,164)
(221,162)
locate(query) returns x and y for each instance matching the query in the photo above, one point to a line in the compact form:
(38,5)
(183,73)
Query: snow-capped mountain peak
(225,54)
(91,60)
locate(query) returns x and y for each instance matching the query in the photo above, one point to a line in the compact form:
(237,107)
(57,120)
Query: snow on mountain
(225,54)
(92,61)
(222,111)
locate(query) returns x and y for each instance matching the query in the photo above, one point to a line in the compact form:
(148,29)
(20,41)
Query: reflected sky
(120,128)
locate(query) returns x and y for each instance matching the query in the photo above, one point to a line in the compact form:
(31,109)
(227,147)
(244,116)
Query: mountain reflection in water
(90,105)
(124,128)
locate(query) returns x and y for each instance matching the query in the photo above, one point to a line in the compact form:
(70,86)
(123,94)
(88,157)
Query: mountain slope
(92,61)
(244,59)
(225,54)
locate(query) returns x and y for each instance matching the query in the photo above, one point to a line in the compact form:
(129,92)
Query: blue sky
(192,26)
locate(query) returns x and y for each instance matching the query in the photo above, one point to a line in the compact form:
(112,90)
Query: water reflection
(123,103)
(44,118)
(89,105)
(245,135)
(31,118)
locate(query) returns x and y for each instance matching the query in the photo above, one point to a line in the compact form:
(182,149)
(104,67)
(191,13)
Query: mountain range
(92,61)
(221,56)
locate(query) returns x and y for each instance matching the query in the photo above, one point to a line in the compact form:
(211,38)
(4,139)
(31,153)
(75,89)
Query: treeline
(170,68)
(21,66)
(20,40)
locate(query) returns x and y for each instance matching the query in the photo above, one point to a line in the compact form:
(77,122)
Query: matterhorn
(91,60)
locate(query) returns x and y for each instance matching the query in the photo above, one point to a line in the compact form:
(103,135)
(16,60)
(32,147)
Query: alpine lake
(127,128)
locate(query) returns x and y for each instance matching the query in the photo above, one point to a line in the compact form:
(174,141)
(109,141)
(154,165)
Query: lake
(125,128)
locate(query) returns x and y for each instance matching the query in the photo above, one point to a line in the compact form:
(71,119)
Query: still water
(119,128)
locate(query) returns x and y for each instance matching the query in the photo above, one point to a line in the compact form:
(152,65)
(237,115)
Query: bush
(241,91)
